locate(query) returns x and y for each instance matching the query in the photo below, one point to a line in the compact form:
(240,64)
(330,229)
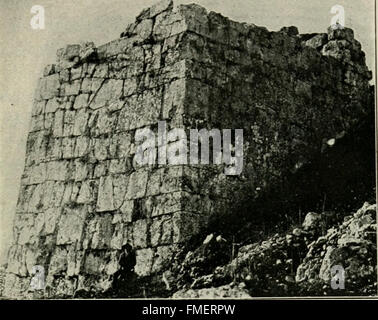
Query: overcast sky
(24,52)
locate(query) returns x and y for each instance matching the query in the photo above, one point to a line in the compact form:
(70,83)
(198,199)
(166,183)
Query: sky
(25,51)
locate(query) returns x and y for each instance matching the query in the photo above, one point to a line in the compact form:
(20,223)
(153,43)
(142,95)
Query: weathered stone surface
(48,87)
(117,239)
(81,101)
(51,217)
(83,195)
(72,89)
(222,292)
(340,33)
(140,233)
(140,110)
(58,263)
(109,90)
(127,210)
(168,203)
(80,123)
(58,123)
(137,185)
(100,230)
(49,69)
(24,231)
(347,246)
(88,50)
(16,286)
(163,257)
(87,192)
(94,264)
(161,231)
(58,170)
(105,200)
(317,41)
(161,6)
(71,224)
(144,260)
(312,221)
(144,29)
(185,224)
(38,107)
(37,173)
(52,105)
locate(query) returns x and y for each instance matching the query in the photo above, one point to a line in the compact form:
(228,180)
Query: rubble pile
(297,263)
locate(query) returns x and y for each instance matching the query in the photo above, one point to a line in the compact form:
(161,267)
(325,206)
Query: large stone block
(105,199)
(53,105)
(24,229)
(81,146)
(144,261)
(94,263)
(68,148)
(16,286)
(35,202)
(50,220)
(121,145)
(71,224)
(37,173)
(58,170)
(137,185)
(82,170)
(167,25)
(143,30)
(38,107)
(185,225)
(196,19)
(81,101)
(120,184)
(71,88)
(105,121)
(166,203)
(161,6)
(100,229)
(161,231)
(140,110)
(48,87)
(140,234)
(88,192)
(117,239)
(100,147)
(58,123)
(58,262)
(127,210)
(54,193)
(110,90)
(16,259)
(163,257)
(173,101)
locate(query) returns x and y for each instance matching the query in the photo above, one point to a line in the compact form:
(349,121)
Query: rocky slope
(296,263)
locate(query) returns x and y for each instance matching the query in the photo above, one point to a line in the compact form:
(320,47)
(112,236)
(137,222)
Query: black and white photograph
(188,150)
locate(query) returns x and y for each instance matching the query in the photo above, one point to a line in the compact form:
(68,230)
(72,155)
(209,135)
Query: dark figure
(127,261)
(123,279)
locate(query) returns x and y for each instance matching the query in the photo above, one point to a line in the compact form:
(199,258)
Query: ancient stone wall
(82,194)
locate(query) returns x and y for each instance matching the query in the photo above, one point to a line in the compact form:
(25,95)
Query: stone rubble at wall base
(268,268)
